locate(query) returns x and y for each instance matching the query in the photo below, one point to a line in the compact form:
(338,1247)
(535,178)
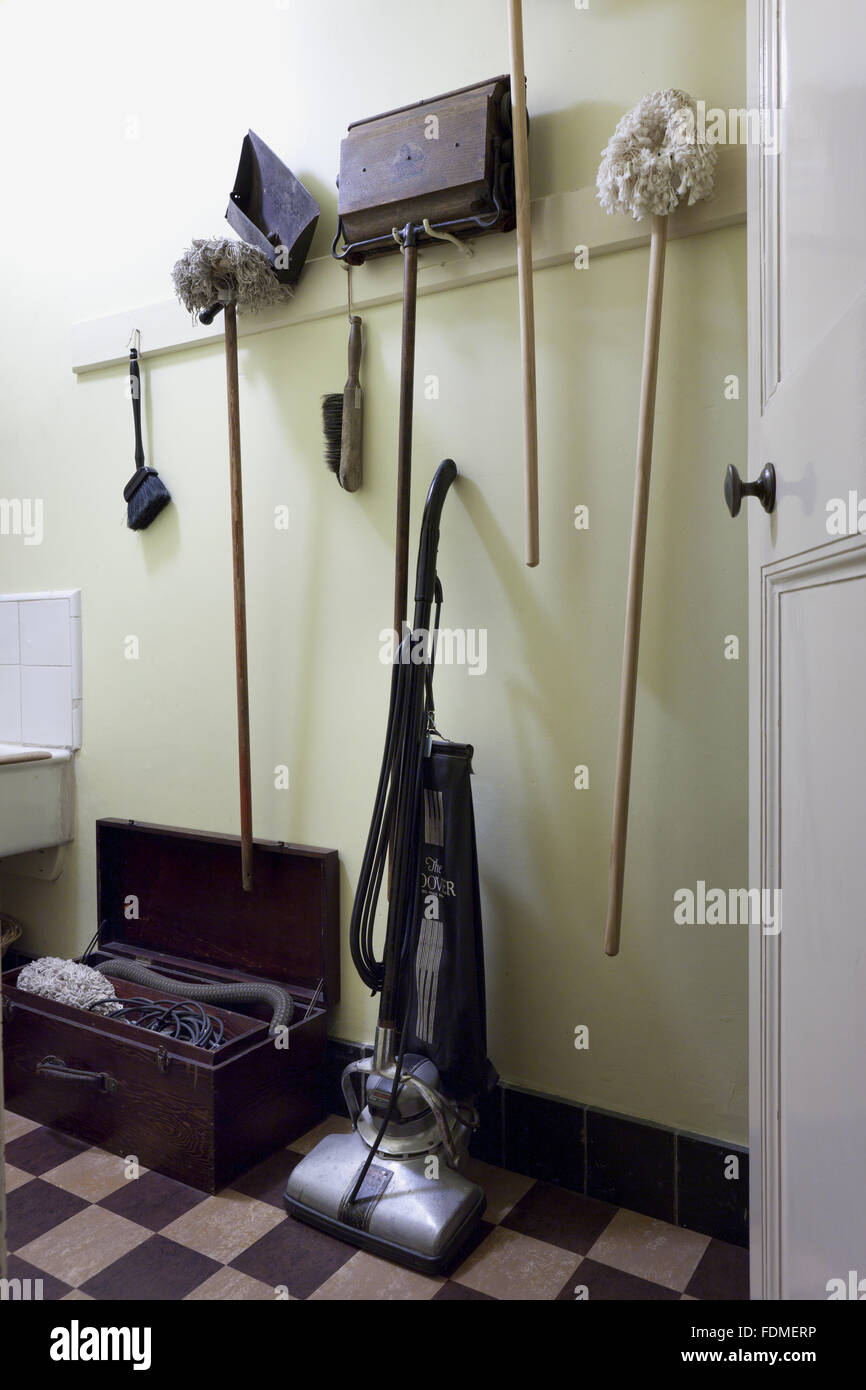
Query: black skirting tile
(630,1164)
(544,1138)
(707,1199)
(486,1142)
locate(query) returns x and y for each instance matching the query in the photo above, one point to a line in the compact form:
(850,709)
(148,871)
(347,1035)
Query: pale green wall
(93,225)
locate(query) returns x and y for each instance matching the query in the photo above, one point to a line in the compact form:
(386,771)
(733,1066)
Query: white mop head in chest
(65,980)
(656,158)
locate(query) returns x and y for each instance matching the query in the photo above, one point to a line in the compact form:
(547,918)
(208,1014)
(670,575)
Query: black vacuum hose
(252,992)
(398,795)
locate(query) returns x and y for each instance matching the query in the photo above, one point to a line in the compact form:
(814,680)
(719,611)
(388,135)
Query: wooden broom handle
(237,505)
(524,277)
(404,438)
(637,554)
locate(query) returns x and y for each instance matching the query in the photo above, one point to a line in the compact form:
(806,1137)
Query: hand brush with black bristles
(145,494)
(332,428)
(342,418)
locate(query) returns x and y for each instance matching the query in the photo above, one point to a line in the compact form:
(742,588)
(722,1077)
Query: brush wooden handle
(237,506)
(351,459)
(355,345)
(524,278)
(637,554)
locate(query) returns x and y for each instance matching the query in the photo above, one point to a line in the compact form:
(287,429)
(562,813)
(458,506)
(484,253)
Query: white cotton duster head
(68,981)
(227,271)
(655,159)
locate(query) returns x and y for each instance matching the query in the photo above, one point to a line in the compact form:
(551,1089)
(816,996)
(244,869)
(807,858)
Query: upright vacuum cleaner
(439,169)
(393,1185)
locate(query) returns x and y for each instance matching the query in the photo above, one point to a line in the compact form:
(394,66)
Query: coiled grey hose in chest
(258,992)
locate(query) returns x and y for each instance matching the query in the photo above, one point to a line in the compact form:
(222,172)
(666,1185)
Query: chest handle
(56,1067)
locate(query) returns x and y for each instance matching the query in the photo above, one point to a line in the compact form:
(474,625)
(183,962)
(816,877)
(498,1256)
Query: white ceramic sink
(37,798)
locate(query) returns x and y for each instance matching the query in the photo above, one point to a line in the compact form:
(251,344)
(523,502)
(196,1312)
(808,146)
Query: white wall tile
(40,668)
(10,704)
(45,639)
(75,645)
(9,649)
(46,705)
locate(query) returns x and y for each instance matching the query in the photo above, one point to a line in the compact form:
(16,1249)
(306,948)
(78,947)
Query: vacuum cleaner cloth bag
(443,1006)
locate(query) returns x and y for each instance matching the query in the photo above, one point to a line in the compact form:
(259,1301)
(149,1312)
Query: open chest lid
(178,893)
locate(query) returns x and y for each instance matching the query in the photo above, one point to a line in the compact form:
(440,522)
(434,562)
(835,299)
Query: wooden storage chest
(173,898)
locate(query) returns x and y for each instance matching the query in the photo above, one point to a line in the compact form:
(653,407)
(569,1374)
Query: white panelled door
(807,656)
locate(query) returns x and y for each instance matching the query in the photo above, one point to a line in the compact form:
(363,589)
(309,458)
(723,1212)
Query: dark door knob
(764,489)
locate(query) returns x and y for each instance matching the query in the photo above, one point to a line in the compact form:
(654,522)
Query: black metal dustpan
(271,209)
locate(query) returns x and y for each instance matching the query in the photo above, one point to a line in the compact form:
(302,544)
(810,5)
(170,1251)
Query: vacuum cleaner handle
(425,575)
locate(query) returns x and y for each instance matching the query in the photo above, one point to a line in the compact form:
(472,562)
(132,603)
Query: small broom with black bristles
(145,494)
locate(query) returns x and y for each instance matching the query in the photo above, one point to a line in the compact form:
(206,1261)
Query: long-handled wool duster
(226,274)
(653,162)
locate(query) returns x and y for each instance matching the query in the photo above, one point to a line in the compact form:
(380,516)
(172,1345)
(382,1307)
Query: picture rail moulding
(561,223)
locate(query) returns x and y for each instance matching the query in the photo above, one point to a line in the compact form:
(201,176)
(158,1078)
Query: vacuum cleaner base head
(417,1212)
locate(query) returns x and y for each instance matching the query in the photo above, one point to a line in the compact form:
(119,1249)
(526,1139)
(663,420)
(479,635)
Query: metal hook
(348,269)
(135,340)
(464,250)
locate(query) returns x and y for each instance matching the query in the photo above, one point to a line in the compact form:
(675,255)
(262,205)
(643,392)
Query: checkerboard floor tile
(79,1223)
